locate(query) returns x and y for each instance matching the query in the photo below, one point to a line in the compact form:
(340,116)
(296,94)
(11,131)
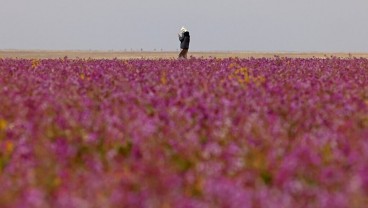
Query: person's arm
(181,37)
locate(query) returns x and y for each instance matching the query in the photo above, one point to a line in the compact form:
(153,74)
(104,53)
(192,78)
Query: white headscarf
(183,29)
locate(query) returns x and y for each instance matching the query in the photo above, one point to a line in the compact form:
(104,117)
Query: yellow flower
(163,78)
(243,76)
(56,181)
(9,147)
(35,63)
(3,124)
(326,153)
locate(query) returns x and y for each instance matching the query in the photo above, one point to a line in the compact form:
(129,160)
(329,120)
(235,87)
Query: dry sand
(163,55)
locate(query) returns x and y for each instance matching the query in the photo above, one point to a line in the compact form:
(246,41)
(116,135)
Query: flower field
(277,132)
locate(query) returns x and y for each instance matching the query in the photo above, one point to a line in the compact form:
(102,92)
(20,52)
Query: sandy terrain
(164,55)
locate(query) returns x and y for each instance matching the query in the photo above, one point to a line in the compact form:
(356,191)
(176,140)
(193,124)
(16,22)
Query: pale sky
(221,25)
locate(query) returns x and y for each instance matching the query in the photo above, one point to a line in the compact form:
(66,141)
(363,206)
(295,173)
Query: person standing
(184,38)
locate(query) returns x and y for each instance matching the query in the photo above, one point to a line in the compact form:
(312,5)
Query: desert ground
(40,54)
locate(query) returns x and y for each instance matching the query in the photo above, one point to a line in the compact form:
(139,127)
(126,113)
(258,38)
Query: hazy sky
(247,25)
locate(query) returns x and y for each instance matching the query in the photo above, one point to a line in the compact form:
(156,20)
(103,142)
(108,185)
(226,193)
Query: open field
(280,132)
(164,55)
